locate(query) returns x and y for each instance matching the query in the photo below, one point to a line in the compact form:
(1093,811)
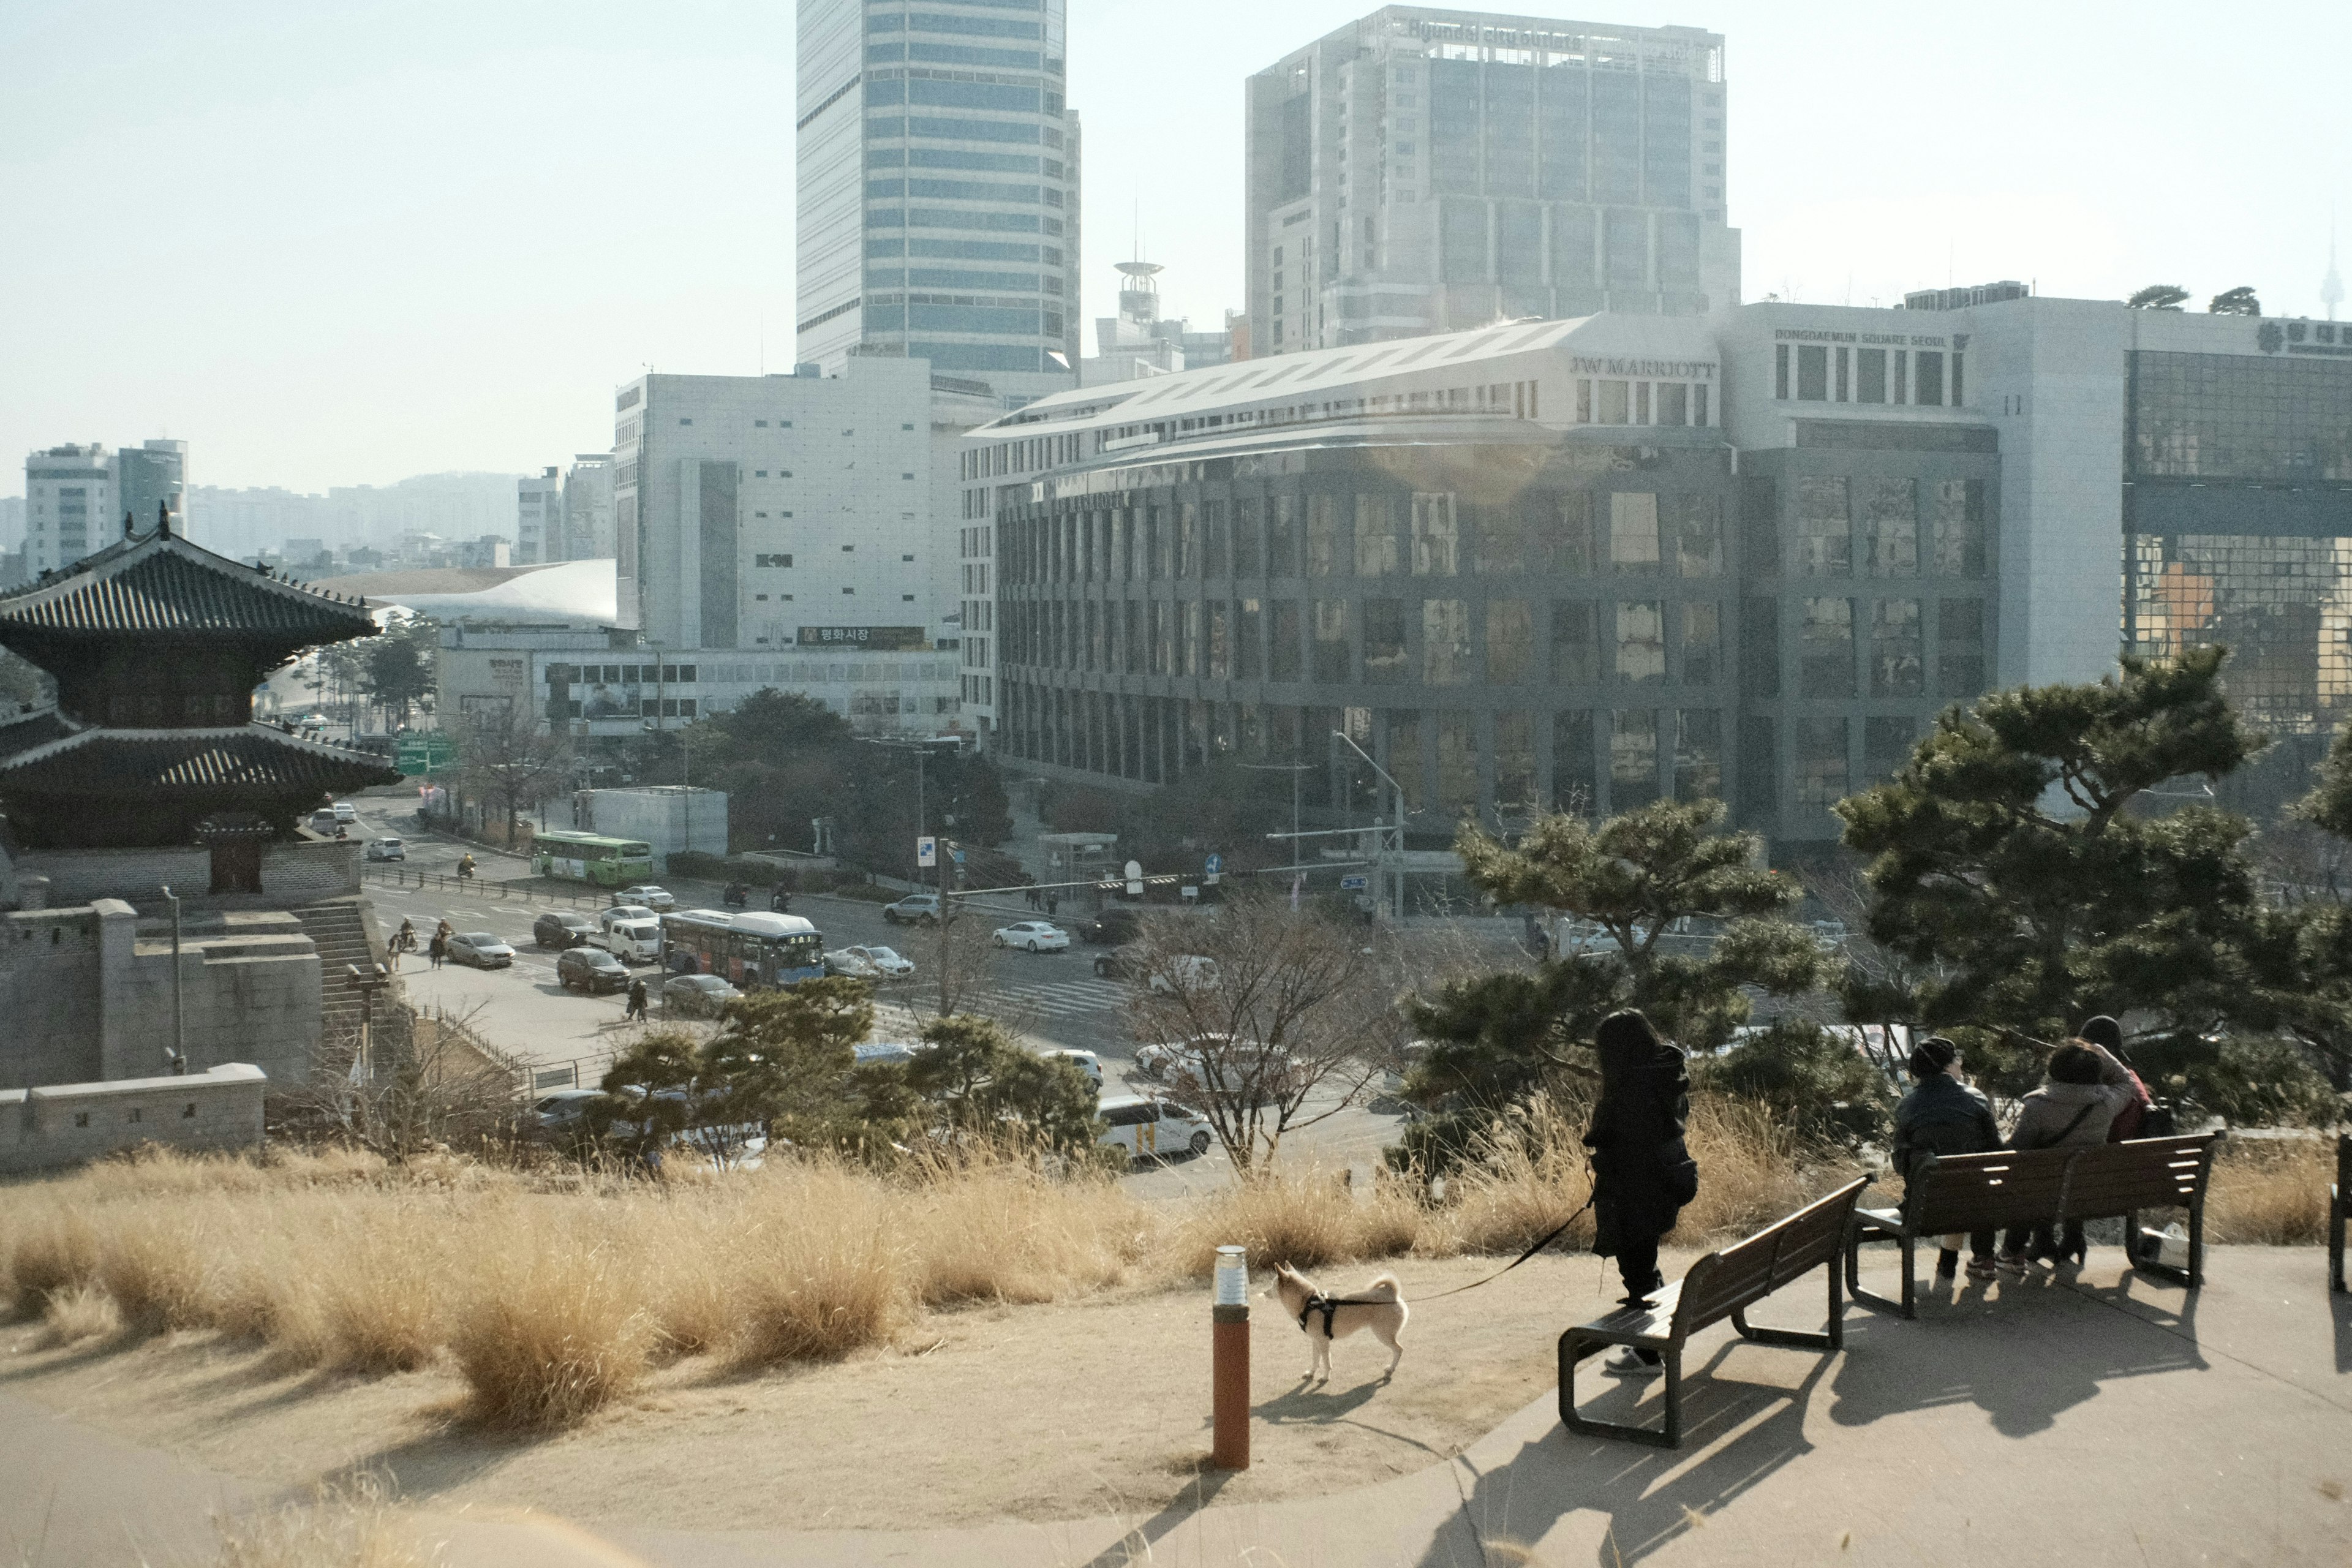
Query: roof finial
(163,518)
(126,525)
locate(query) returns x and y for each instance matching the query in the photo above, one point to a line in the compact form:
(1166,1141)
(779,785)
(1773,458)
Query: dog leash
(1551,1236)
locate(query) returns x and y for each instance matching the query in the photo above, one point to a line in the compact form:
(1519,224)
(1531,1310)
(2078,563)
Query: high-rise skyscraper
(938,190)
(1423,171)
(153,475)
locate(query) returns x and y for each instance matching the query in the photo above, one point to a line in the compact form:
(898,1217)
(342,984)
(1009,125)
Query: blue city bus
(749,950)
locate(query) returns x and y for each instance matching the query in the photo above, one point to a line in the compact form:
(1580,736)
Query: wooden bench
(2339,1211)
(2006,1188)
(1720,1285)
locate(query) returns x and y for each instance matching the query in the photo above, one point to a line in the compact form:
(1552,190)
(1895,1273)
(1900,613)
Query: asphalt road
(1054,1000)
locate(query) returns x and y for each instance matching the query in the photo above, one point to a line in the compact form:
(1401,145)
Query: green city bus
(590,857)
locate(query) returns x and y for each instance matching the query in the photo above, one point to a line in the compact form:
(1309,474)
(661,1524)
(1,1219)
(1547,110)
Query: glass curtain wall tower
(1423,171)
(938,190)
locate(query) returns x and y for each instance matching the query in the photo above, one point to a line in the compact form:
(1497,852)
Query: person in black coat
(1642,1174)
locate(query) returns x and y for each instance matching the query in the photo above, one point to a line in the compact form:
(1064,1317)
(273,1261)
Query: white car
(481,949)
(346,812)
(1148,1127)
(647,894)
(1160,1059)
(868,963)
(386,850)
(1086,1062)
(624,914)
(1032,936)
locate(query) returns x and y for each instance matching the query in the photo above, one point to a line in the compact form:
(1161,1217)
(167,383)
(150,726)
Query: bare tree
(425,1082)
(1280,1020)
(510,765)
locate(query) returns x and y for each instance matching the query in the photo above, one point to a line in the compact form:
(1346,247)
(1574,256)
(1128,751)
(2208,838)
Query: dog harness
(1327,1306)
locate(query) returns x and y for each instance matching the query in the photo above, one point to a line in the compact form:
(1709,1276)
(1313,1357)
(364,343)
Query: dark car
(590,969)
(1115,927)
(561,928)
(1118,964)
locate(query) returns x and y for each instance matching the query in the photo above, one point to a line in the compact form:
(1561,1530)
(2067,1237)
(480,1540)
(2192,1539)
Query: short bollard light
(1229,1361)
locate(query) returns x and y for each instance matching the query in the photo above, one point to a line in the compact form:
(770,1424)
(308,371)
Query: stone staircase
(344,930)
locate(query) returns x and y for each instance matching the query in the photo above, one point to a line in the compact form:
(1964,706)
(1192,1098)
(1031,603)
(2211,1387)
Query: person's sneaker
(1627,1361)
(1982,1268)
(2012,1263)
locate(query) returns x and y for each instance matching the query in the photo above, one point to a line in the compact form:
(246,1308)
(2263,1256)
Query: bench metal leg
(2149,1260)
(1854,1239)
(1573,1348)
(2336,1218)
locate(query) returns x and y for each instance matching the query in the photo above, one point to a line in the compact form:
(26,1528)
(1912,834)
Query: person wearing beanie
(2105,1032)
(1942,1115)
(1642,1174)
(2084,1085)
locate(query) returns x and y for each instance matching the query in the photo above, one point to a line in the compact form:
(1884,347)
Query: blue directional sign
(1351,884)
(1216,864)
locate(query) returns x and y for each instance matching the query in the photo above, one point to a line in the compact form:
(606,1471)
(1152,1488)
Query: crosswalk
(1091,999)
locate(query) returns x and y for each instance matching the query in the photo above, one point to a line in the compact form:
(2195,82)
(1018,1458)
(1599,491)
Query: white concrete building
(588,508)
(69,503)
(538,519)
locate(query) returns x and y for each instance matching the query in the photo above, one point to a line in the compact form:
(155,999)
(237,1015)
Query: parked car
(618,913)
(323,821)
(915,909)
(1086,1062)
(888,1052)
(868,963)
(386,850)
(481,949)
(696,996)
(560,1110)
(345,811)
(1119,963)
(1032,936)
(590,969)
(647,894)
(632,942)
(1187,971)
(1147,1127)
(1114,927)
(561,928)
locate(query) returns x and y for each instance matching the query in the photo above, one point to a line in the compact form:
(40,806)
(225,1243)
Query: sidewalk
(2117,1421)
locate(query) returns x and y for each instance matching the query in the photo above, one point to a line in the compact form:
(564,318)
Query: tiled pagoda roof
(160,584)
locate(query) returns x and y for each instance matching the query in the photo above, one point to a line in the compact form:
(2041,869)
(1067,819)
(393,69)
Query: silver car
(481,949)
(696,996)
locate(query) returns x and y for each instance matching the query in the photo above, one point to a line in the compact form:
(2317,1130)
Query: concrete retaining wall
(299,872)
(66,1124)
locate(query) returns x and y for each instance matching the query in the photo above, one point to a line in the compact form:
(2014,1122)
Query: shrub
(1814,1081)
(554,1331)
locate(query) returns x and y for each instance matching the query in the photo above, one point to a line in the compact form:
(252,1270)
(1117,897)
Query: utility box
(670,817)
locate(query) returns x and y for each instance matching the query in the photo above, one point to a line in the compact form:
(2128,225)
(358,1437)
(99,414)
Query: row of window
(964,250)
(1842,526)
(880,21)
(1606,402)
(1324,533)
(955,217)
(1813,373)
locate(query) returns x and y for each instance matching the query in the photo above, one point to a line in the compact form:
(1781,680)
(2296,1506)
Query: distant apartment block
(69,500)
(1423,171)
(538,519)
(588,508)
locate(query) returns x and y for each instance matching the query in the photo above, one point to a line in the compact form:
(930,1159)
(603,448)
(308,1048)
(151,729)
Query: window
(1404,754)
(1780,371)
(1640,641)
(1616,403)
(1959,648)
(1514,763)
(1217,548)
(1673,402)
(1632,758)
(1187,539)
(1246,554)
(1283,637)
(1825,649)
(1824,533)
(1434,534)
(1574,787)
(1820,762)
(1695,522)
(1898,667)
(1927,379)
(1760,649)
(1812,374)
(1886,745)
(1575,643)
(1702,643)
(1759,769)
(1444,642)
(1956,512)
(1249,632)
(1458,761)
(1572,545)
(1886,515)
(1221,639)
(1384,638)
(1698,754)
(1870,375)
(1282,537)
(1324,530)
(1511,642)
(1163,637)
(1633,532)
(1376,536)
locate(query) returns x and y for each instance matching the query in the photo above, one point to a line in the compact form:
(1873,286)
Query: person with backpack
(1942,1115)
(2085,1087)
(1642,1174)
(636,1011)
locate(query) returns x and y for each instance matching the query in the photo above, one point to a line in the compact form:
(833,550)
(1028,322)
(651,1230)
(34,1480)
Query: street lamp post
(1398,907)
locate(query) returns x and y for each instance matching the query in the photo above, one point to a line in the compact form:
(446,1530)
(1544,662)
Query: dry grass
(557,1329)
(355,1527)
(2271,1191)
(80,1312)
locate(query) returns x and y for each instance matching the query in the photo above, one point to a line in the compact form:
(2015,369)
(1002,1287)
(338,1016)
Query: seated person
(2085,1088)
(1942,1115)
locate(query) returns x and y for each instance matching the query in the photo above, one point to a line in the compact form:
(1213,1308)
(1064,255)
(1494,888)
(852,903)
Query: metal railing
(480,888)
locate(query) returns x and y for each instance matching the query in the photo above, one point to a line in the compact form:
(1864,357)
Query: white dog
(1379,1306)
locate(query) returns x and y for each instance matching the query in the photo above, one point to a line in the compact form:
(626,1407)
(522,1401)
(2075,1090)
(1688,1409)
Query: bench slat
(1979,1191)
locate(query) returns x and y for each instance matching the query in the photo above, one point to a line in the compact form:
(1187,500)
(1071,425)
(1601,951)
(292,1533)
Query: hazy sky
(343,241)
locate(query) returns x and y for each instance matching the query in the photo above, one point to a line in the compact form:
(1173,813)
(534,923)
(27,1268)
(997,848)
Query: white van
(631,942)
(1148,1127)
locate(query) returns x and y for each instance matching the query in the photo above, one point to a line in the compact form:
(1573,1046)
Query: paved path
(2116,1422)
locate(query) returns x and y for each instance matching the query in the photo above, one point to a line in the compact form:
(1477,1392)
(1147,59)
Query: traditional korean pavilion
(156,644)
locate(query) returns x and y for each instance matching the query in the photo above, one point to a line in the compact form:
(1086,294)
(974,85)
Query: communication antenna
(2331,288)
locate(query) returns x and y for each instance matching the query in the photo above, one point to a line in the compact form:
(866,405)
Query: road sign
(415,754)
(1216,863)
(1190,893)
(956,855)
(926,850)
(1351,884)
(1135,878)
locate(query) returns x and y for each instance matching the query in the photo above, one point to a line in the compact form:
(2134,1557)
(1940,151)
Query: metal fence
(493,892)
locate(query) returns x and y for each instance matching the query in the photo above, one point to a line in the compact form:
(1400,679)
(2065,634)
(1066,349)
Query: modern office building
(588,508)
(70,505)
(1584,563)
(152,476)
(1425,171)
(538,519)
(762,516)
(938,169)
